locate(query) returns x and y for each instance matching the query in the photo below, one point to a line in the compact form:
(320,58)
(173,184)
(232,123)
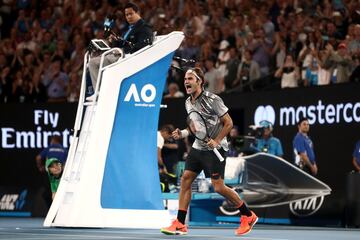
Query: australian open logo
(306,207)
(142,97)
(264,113)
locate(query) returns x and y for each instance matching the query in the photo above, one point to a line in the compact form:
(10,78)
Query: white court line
(81,236)
(66,236)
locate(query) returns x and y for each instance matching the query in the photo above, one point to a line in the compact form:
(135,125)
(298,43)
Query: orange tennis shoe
(246,224)
(176,228)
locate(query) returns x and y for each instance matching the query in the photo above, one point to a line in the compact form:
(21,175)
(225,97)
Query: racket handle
(217,153)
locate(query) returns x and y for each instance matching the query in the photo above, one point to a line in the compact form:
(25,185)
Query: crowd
(241,45)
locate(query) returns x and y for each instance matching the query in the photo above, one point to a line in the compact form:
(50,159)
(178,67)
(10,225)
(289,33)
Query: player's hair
(198,73)
(133,6)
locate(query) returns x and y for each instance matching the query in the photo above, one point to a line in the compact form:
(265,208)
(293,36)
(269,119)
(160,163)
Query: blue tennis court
(31,229)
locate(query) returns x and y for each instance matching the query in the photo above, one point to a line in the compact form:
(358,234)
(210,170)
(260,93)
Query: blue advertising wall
(131,162)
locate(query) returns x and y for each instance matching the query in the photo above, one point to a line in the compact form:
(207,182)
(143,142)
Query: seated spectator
(163,134)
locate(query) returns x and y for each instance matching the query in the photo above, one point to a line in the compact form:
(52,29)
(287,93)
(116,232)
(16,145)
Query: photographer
(138,35)
(267,142)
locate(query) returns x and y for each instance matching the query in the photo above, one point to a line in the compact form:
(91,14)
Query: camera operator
(266,142)
(138,35)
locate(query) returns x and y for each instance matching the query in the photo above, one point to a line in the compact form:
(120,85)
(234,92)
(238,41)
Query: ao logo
(306,207)
(147,93)
(264,113)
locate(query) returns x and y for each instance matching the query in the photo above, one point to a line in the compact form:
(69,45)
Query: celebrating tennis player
(210,131)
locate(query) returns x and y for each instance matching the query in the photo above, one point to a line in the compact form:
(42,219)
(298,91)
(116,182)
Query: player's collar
(201,93)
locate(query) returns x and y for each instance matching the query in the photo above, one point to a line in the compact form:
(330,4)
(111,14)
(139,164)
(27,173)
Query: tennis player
(202,156)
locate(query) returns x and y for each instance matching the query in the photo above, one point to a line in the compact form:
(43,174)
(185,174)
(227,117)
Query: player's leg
(192,169)
(216,169)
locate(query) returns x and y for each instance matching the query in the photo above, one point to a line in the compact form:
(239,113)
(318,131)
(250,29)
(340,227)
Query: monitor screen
(100,44)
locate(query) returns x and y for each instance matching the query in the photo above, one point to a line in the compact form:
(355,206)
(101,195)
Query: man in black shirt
(138,35)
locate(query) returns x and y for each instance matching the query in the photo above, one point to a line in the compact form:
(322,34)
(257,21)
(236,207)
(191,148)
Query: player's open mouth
(187,86)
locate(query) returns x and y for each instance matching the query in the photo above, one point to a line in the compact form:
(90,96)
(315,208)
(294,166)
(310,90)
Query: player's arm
(227,126)
(180,134)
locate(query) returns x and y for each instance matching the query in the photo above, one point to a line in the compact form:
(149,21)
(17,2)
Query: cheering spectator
(288,73)
(56,81)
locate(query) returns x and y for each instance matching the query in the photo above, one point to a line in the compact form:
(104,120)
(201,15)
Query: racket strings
(197,126)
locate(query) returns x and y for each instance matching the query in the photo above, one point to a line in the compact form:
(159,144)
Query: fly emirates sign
(12,137)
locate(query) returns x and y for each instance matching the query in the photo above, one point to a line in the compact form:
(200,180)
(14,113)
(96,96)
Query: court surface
(32,229)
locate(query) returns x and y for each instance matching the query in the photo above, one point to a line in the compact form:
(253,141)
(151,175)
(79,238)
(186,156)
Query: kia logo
(306,207)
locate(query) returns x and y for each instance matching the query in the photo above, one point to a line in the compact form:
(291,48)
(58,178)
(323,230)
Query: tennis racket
(197,126)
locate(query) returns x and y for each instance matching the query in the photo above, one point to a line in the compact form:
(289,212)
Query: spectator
(304,148)
(261,48)
(163,134)
(73,90)
(223,57)
(342,62)
(55,81)
(356,156)
(231,68)
(233,137)
(288,73)
(214,80)
(174,91)
(354,39)
(311,76)
(212,25)
(248,72)
(170,154)
(267,142)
